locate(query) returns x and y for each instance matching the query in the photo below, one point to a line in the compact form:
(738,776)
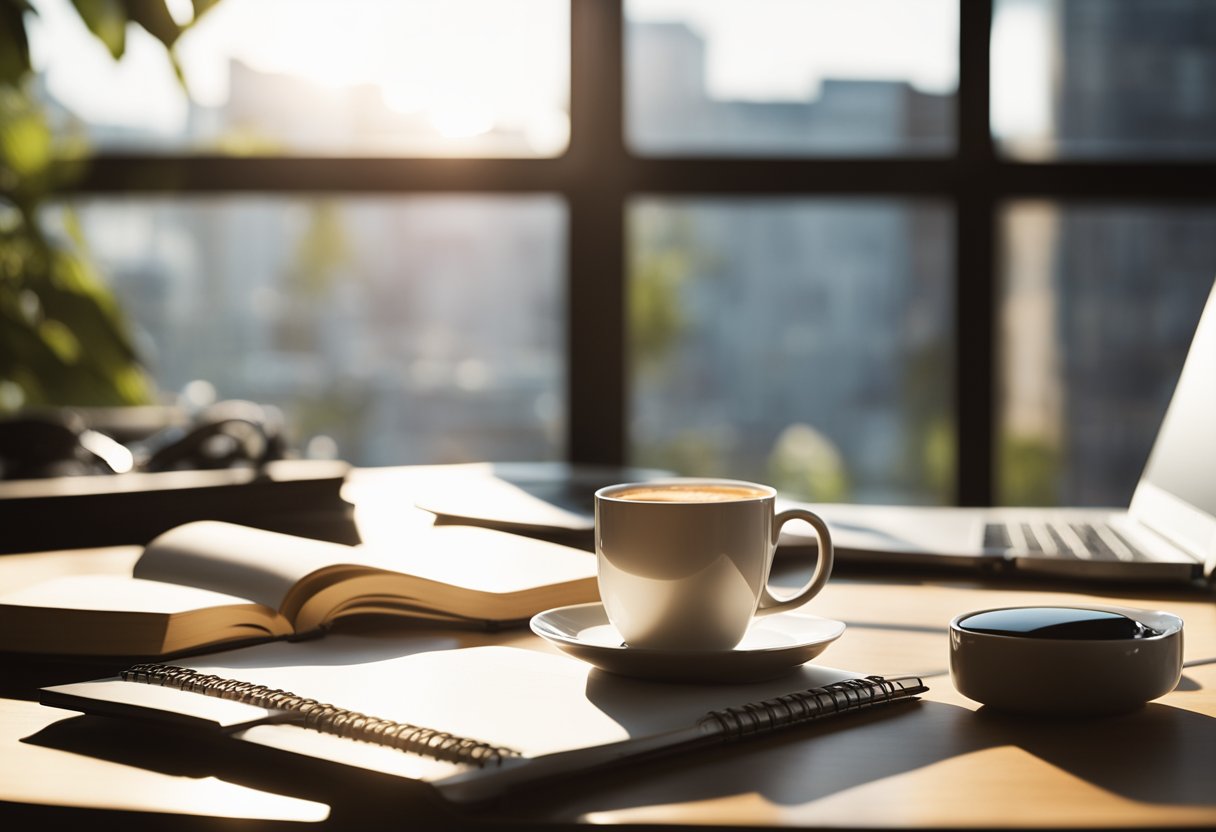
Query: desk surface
(944,762)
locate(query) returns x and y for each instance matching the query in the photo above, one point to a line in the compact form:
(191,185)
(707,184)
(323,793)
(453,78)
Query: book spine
(325,718)
(811,704)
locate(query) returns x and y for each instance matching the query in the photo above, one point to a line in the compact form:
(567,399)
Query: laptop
(1167,533)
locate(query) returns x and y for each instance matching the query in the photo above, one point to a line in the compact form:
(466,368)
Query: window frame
(598,175)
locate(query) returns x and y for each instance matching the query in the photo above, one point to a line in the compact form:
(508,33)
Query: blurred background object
(57,445)
(63,338)
(61,442)
(82,477)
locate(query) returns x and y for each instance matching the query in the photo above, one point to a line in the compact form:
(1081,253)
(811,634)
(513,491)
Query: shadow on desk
(1156,755)
(383,636)
(357,799)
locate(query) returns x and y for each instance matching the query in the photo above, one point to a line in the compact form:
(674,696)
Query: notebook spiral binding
(771,714)
(326,718)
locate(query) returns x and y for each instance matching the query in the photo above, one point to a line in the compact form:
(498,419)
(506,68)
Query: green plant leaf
(76,352)
(76,282)
(178,72)
(107,19)
(63,340)
(154,16)
(60,340)
(14,44)
(25,138)
(201,6)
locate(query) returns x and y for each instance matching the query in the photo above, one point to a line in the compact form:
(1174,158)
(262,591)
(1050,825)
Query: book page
(479,559)
(117,615)
(117,593)
(267,566)
(223,557)
(463,571)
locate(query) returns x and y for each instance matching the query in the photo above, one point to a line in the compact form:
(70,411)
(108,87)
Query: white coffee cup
(683,564)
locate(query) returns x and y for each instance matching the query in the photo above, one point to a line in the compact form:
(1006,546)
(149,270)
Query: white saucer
(775,644)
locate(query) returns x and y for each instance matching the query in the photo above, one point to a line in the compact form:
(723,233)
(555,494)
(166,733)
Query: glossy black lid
(1056,623)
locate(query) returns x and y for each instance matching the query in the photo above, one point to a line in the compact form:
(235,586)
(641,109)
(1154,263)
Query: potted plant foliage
(63,340)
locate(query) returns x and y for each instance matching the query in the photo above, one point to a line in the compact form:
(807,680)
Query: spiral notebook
(472,723)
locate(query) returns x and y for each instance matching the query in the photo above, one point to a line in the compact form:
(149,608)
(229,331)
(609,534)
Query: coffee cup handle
(823,568)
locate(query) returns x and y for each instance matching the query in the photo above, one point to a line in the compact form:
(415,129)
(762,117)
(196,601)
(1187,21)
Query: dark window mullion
(1106,180)
(734,175)
(131,173)
(596,358)
(974,267)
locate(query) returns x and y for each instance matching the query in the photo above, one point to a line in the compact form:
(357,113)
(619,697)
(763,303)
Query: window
(301,77)
(837,269)
(801,342)
(421,327)
(1098,303)
(1131,79)
(775,78)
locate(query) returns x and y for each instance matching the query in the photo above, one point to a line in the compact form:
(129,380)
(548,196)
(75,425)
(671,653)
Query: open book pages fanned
(207,584)
(473,723)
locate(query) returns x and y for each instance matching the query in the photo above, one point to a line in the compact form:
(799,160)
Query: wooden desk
(943,763)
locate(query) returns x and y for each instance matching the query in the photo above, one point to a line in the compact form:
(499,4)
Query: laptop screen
(1182,466)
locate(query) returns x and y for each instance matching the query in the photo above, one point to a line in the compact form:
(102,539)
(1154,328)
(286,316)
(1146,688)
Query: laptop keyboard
(1085,541)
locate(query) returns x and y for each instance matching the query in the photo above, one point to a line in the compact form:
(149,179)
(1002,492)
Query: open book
(472,723)
(209,583)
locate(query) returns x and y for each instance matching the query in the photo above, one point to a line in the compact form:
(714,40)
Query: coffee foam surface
(688,494)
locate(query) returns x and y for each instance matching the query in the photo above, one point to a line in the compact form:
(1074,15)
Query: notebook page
(531,702)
